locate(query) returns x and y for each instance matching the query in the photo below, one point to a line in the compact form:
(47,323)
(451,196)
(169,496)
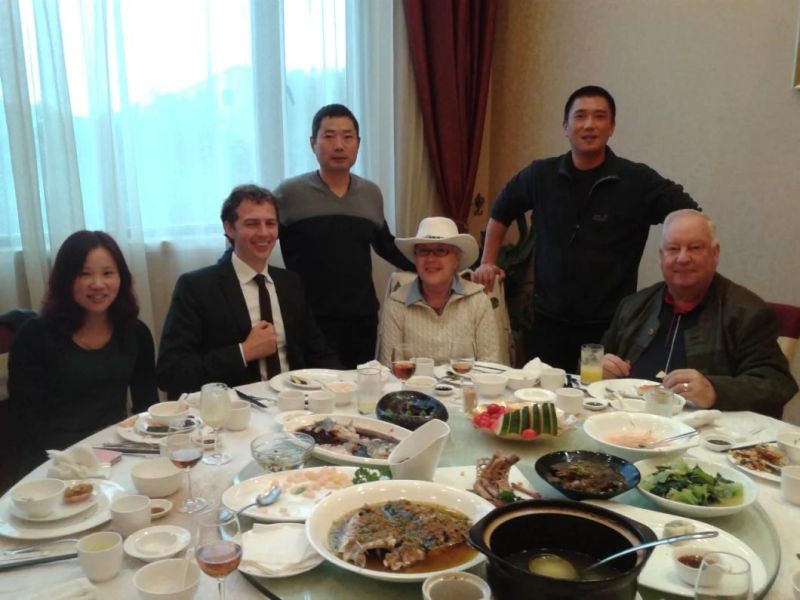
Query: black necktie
(273,362)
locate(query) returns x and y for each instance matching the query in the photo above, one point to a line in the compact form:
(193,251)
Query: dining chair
(788,328)
(9,322)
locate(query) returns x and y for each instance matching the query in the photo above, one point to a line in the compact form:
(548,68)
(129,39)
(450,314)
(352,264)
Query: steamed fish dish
(400,535)
(692,485)
(346,438)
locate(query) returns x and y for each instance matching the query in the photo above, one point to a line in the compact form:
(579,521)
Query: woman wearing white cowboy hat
(439,305)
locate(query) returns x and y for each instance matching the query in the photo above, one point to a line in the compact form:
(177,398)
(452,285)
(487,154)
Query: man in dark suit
(240,320)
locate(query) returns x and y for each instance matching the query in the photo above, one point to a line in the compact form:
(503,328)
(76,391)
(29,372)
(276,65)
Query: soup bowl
(509,533)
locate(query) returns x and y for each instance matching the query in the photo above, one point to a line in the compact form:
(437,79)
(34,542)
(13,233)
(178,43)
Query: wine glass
(215,408)
(462,356)
(185,450)
(217,551)
(723,576)
(403,365)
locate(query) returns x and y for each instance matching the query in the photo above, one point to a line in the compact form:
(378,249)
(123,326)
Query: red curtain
(451,50)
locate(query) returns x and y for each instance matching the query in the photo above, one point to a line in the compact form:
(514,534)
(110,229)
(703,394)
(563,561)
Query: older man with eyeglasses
(439,305)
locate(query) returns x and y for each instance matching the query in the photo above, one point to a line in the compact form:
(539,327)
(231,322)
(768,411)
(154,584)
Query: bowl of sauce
(687,560)
(717,442)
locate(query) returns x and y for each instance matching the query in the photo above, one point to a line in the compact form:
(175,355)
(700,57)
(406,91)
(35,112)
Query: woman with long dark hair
(71,368)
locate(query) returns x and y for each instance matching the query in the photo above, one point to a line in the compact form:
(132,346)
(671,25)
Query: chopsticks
(253,399)
(28,562)
(131,448)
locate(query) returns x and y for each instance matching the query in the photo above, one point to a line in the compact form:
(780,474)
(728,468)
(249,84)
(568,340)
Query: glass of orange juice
(591,363)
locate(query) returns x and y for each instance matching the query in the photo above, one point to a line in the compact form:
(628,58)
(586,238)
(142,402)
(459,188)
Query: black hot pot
(559,525)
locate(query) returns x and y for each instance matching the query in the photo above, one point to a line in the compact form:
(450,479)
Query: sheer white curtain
(139,116)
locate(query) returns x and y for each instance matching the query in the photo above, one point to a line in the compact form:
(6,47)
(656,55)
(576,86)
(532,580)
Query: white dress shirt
(246,274)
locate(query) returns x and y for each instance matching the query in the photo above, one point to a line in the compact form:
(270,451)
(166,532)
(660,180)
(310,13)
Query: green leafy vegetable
(508,496)
(692,485)
(367,474)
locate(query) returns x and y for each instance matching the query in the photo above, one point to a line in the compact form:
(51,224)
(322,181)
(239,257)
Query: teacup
(343,391)
(552,379)
(417,456)
(130,513)
(455,586)
(321,402)
(239,418)
(570,400)
(423,366)
(100,555)
(790,483)
(291,400)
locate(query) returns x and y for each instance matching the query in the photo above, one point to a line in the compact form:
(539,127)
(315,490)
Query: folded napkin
(78,462)
(375,365)
(75,589)
(535,366)
(277,549)
(699,418)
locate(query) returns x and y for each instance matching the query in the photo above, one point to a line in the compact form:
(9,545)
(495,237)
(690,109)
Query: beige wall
(704,95)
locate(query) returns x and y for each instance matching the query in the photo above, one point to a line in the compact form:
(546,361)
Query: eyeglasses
(438,251)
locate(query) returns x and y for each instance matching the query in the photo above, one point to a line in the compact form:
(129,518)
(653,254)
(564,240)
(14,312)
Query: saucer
(157,542)
(61,511)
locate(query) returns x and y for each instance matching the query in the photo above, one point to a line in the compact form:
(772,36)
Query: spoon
(264,498)
(667,540)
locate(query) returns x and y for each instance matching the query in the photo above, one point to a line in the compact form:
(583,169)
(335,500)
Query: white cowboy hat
(444,231)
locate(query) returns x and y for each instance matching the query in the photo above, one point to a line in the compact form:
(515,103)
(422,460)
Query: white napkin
(699,418)
(75,589)
(535,367)
(277,549)
(78,462)
(374,364)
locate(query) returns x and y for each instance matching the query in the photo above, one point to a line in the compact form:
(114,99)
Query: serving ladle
(569,571)
(699,535)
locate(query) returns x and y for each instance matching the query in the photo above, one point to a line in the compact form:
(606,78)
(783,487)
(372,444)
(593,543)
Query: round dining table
(770,527)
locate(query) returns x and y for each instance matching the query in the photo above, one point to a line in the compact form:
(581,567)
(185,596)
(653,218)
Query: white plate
(753,473)
(18,529)
(61,511)
(750,491)
(339,458)
(564,421)
(349,499)
(600,427)
(282,382)
(627,387)
(283,418)
(131,429)
(289,507)
(659,572)
(132,544)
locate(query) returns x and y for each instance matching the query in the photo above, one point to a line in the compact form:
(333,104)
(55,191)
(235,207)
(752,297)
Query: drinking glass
(403,366)
(591,363)
(185,450)
(723,576)
(215,408)
(217,551)
(369,389)
(462,356)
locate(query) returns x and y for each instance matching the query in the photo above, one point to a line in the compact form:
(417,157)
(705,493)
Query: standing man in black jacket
(329,219)
(240,320)
(592,213)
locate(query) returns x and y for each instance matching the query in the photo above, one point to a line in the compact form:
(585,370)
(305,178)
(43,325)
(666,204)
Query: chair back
(788,328)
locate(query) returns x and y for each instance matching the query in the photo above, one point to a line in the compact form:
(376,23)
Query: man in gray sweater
(329,220)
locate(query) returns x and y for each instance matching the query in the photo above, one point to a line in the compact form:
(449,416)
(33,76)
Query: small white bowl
(156,477)
(159,507)
(687,573)
(519,379)
(490,384)
(717,442)
(165,412)
(444,389)
(789,444)
(39,497)
(343,392)
(170,579)
(421,383)
(535,395)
